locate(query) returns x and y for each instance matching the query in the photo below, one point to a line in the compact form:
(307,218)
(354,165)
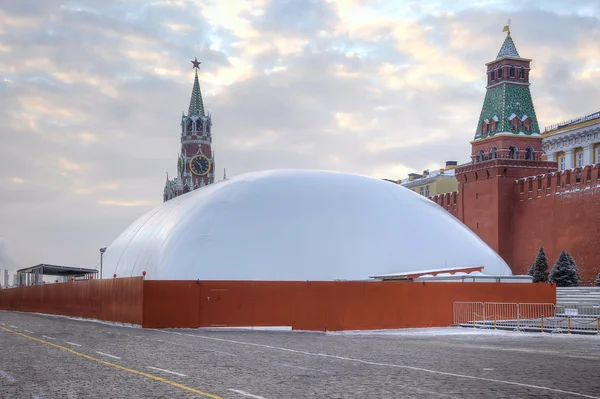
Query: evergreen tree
(564,273)
(539,269)
(597,283)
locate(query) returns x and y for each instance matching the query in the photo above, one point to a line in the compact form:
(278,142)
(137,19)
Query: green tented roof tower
(508,107)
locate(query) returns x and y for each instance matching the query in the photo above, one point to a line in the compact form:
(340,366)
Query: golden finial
(507,28)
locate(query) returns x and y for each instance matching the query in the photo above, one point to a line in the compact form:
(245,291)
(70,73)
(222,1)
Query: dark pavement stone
(275,364)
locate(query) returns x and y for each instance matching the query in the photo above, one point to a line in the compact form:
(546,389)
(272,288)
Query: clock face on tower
(200,165)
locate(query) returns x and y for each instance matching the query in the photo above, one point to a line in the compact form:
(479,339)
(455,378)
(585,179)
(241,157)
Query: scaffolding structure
(34,275)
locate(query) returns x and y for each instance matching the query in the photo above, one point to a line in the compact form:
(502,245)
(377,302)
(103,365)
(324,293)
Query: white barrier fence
(541,317)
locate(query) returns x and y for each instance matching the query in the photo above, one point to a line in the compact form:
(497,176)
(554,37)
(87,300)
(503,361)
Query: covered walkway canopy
(35,274)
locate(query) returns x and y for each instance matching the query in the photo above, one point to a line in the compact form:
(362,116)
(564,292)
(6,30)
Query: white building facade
(574,143)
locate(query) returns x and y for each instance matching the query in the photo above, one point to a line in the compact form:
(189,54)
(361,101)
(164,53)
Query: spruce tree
(539,269)
(564,273)
(597,283)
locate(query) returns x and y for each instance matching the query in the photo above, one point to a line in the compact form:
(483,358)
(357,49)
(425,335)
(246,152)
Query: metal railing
(578,295)
(573,121)
(533,317)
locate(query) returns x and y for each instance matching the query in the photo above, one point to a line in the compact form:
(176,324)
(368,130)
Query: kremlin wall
(525,189)
(558,210)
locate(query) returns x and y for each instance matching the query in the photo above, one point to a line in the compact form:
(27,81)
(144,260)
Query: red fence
(317,306)
(322,306)
(118,300)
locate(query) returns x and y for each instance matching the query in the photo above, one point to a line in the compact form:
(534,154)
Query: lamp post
(102,250)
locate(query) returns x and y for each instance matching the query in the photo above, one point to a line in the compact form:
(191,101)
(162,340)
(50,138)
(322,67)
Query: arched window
(480,156)
(521,73)
(512,154)
(199,126)
(493,154)
(188,127)
(529,154)
(512,72)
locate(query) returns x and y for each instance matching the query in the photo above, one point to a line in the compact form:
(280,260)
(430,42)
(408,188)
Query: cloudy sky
(91,94)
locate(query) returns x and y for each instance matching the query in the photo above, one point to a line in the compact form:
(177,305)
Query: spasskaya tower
(196,160)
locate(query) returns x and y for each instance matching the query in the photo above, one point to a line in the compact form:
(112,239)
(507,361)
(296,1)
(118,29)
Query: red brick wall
(486,198)
(515,216)
(448,201)
(555,211)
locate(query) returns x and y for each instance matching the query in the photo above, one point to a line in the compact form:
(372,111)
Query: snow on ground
(450,331)
(407,332)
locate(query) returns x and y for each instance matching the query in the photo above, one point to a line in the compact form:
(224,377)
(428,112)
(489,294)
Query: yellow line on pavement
(163,380)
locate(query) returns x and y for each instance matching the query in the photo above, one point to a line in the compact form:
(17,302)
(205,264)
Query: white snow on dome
(296,225)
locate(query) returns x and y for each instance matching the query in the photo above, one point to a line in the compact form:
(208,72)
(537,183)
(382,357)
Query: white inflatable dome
(296,225)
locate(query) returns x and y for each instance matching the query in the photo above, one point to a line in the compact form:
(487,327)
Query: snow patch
(108,323)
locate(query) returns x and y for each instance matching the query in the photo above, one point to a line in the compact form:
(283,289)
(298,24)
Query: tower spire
(508,48)
(196,146)
(196,103)
(508,106)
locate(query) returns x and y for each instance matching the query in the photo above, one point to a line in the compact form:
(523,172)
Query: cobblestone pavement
(56,357)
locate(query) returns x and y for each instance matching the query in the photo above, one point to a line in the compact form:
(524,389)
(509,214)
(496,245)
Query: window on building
(493,75)
(579,160)
(484,127)
(597,160)
(493,154)
(421,190)
(512,72)
(561,162)
(529,154)
(514,123)
(512,154)
(521,73)
(427,191)
(499,72)
(480,156)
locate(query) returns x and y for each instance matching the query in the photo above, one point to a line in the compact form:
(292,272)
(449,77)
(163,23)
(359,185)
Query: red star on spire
(196,63)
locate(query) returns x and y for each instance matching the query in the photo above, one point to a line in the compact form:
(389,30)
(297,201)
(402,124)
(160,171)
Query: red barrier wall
(325,306)
(118,300)
(171,304)
(316,306)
